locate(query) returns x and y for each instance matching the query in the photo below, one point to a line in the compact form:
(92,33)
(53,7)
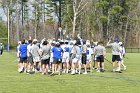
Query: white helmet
(120,43)
(34,40)
(87,42)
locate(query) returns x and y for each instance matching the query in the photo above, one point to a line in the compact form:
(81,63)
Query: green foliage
(103,18)
(24,0)
(3,32)
(134,20)
(117,8)
(102,4)
(49,21)
(11,11)
(113,12)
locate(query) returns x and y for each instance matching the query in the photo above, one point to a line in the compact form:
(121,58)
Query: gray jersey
(46,51)
(99,50)
(115,48)
(84,48)
(76,52)
(35,51)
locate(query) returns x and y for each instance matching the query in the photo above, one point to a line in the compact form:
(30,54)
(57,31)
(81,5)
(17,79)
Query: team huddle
(67,56)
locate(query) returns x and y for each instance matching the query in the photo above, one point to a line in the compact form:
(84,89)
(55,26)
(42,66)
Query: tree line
(96,20)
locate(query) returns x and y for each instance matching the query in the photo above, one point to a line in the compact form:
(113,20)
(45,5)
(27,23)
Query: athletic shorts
(30,59)
(84,58)
(45,61)
(116,58)
(23,60)
(57,60)
(89,59)
(65,58)
(77,59)
(100,58)
(36,59)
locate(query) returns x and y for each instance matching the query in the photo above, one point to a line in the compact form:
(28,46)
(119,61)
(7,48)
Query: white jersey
(66,54)
(89,53)
(29,50)
(51,56)
(122,52)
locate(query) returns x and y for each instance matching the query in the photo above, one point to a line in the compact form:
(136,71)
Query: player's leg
(113,62)
(118,63)
(73,65)
(64,65)
(122,63)
(84,59)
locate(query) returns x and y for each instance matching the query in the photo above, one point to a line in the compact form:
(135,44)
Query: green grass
(13,82)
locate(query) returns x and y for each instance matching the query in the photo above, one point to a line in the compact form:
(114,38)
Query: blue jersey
(66,48)
(23,50)
(57,52)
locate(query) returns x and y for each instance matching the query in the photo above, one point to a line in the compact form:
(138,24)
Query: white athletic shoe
(64,71)
(117,69)
(67,71)
(19,70)
(43,73)
(85,73)
(36,71)
(73,72)
(113,70)
(76,71)
(25,70)
(79,72)
(49,70)
(124,68)
(98,71)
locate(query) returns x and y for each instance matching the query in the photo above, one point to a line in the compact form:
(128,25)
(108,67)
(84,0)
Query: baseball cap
(34,40)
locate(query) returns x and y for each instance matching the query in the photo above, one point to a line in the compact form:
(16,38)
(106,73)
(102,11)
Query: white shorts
(89,58)
(36,59)
(77,59)
(66,57)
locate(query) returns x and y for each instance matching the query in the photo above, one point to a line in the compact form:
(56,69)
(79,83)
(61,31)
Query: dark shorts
(116,58)
(30,59)
(57,60)
(45,61)
(23,60)
(100,58)
(84,58)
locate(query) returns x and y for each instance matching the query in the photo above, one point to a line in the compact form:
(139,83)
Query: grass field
(13,82)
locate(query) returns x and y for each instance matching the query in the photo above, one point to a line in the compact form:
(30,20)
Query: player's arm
(18,52)
(104,52)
